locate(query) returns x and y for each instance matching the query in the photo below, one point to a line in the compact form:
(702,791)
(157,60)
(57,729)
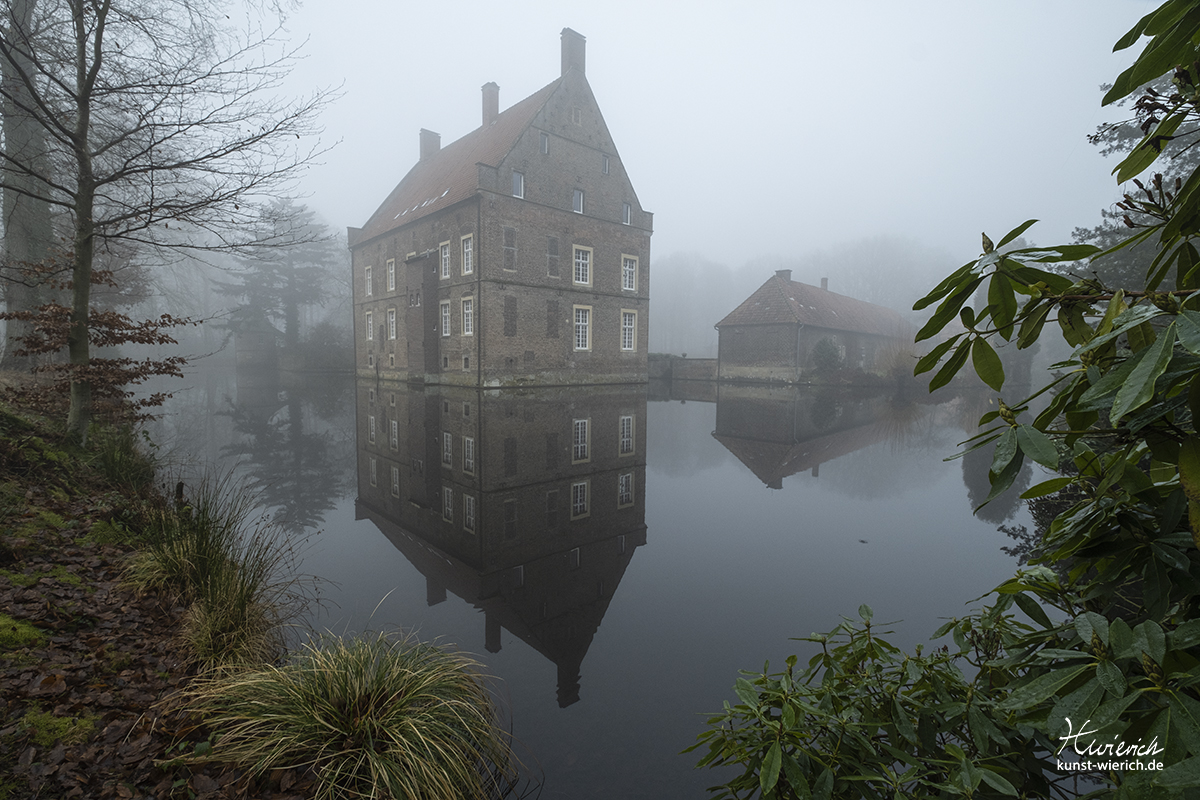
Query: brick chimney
(786,274)
(573,49)
(431,143)
(491,102)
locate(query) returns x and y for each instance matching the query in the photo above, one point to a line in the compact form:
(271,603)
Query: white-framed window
(629,269)
(371,428)
(444,255)
(468,254)
(545,142)
(469,513)
(447,504)
(391,274)
(369,285)
(395,438)
(518,184)
(583,327)
(582,265)
(468,316)
(628,330)
(625,436)
(447,448)
(445,310)
(373,468)
(626,212)
(395,481)
(624,490)
(370,324)
(604,164)
(579,499)
(469,455)
(581,440)
(577,201)
(391,318)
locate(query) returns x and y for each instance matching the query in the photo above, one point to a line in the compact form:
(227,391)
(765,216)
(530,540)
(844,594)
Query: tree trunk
(26,218)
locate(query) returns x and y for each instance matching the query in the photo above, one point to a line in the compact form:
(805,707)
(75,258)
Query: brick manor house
(518,254)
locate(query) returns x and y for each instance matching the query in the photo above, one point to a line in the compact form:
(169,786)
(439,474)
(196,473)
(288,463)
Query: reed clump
(231,569)
(371,716)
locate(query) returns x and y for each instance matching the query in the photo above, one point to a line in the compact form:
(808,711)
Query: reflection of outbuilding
(774,334)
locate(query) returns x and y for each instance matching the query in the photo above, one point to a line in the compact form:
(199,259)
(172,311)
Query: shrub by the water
(372,716)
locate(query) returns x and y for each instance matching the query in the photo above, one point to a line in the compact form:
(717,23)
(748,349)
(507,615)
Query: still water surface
(613,575)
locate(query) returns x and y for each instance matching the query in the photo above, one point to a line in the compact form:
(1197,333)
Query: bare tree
(163,128)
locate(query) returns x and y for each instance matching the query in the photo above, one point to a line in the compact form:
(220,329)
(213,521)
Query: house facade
(517,255)
(774,334)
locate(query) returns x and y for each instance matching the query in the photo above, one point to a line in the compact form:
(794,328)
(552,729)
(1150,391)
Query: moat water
(614,575)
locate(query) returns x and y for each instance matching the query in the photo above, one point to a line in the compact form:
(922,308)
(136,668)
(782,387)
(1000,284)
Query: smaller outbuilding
(788,330)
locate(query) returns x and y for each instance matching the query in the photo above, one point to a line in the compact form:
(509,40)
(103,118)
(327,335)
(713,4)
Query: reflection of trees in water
(975,467)
(907,434)
(297,471)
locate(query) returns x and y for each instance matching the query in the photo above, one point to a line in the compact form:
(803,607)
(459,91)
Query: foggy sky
(756,128)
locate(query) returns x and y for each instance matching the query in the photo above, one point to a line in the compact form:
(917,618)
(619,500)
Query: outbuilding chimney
(574,46)
(491,102)
(786,274)
(825,284)
(431,143)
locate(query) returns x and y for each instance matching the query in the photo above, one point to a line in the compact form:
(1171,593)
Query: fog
(866,142)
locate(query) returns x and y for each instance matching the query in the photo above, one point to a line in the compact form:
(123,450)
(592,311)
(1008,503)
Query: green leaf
(1120,639)
(745,690)
(1186,635)
(1184,775)
(1033,609)
(998,783)
(1189,467)
(1089,624)
(1002,302)
(1110,677)
(1006,449)
(1151,362)
(1031,326)
(1187,325)
(1046,487)
(1037,446)
(1027,695)
(951,367)
(987,364)
(948,310)
(865,612)
(1015,232)
(1148,150)
(930,359)
(768,775)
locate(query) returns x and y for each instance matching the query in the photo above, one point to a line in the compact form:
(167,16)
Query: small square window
(518,184)
(576,202)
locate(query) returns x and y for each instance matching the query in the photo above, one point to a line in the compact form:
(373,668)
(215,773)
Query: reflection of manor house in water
(526,503)
(771,336)
(516,254)
(778,432)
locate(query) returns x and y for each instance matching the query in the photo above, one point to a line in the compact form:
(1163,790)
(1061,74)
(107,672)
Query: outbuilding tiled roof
(451,175)
(780,301)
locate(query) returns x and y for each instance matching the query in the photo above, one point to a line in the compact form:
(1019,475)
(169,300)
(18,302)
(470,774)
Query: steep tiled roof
(782,301)
(450,175)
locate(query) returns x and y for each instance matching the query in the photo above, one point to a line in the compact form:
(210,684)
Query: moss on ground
(15,634)
(48,730)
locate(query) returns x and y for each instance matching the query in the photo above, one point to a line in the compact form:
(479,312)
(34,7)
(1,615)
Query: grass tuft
(231,569)
(15,633)
(371,716)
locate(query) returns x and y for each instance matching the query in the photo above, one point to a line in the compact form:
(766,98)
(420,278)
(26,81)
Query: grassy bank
(143,628)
